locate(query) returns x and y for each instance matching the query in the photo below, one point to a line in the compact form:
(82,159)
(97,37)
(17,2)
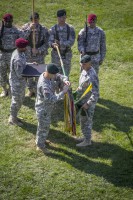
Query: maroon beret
(21,43)
(7,17)
(91,18)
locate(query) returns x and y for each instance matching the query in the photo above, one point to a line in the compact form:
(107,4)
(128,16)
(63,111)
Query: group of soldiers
(92,47)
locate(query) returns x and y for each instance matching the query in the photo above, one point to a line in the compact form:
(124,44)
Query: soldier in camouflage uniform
(88,103)
(63,36)
(8,35)
(40,51)
(17,82)
(92,41)
(45,102)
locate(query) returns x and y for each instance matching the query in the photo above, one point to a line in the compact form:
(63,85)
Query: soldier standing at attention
(88,103)
(63,36)
(38,53)
(45,101)
(8,35)
(17,82)
(92,41)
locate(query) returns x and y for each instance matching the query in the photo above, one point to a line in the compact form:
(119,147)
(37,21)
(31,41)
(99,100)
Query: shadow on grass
(117,172)
(29,102)
(107,114)
(57,114)
(31,128)
(113,114)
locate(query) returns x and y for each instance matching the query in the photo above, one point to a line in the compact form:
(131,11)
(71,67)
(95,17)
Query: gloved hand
(65,88)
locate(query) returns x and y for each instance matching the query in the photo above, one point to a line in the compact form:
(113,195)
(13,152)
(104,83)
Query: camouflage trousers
(18,95)
(44,120)
(32,83)
(86,122)
(4,68)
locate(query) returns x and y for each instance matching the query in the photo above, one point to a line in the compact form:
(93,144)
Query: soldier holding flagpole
(38,36)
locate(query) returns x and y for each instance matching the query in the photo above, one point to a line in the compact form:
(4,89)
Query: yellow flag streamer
(86,91)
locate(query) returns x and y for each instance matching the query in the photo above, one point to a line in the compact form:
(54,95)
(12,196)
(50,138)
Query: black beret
(61,13)
(52,68)
(85,59)
(36,16)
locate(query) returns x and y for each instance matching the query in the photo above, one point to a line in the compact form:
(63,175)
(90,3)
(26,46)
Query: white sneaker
(84,143)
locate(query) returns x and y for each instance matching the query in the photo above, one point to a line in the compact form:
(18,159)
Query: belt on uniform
(92,53)
(7,50)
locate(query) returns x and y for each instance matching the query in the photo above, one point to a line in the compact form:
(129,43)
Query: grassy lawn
(103,171)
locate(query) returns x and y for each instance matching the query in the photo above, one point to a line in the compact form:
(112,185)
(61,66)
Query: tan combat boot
(14,121)
(43,149)
(84,143)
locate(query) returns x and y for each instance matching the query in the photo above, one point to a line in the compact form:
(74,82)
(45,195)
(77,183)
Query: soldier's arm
(18,67)
(44,47)
(103,46)
(81,41)
(50,97)
(95,92)
(61,78)
(51,37)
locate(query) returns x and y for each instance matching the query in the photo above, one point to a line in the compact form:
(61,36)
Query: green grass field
(103,171)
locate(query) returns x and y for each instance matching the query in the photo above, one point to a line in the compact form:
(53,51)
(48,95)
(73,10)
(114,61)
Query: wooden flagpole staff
(69,108)
(61,60)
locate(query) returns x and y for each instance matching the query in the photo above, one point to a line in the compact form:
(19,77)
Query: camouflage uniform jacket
(41,38)
(64,34)
(17,65)
(46,92)
(8,38)
(94,41)
(84,81)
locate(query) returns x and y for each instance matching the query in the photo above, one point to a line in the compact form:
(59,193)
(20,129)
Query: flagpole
(69,108)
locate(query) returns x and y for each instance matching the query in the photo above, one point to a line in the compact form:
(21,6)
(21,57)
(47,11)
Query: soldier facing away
(38,52)
(45,101)
(8,35)
(87,104)
(63,36)
(92,41)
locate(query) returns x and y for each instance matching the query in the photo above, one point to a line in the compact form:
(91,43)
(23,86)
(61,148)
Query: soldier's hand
(54,45)
(32,26)
(65,88)
(34,51)
(35,63)
(67,83)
